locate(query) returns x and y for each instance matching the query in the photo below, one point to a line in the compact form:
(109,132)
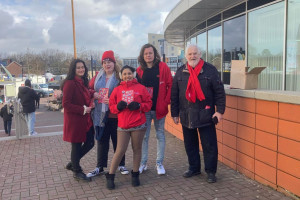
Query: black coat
(28,97)
(198,114)
(6,115)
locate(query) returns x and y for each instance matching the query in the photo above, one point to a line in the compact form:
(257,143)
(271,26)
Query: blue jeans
(30,119)
(160,136)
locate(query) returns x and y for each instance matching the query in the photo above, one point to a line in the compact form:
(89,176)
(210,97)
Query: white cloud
(119,25)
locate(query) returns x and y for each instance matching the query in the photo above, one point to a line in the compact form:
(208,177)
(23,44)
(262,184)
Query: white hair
(192,46)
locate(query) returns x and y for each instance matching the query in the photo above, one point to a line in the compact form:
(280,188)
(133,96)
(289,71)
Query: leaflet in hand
(103,92)
(127,96)
(150,91)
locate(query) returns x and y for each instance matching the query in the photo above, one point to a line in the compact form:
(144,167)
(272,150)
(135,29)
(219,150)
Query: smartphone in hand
(215,120)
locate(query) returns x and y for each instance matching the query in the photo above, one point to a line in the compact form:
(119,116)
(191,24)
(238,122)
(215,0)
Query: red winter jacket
(76,125)
(126,118)
(164,89)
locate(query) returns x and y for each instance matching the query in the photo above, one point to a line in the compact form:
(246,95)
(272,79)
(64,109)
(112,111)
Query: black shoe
(211,178)
(69,166)
(110,178)
(81,176)
(190,173)
(135,181)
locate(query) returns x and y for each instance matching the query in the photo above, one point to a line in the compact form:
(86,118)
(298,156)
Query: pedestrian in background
(157,78)
(196,91)
(78,126)
(7,113)
(28,98)
(105,122)
(130,100)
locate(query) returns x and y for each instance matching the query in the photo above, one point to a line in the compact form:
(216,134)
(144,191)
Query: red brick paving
(33,168)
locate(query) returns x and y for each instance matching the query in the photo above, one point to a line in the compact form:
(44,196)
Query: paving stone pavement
(33,168)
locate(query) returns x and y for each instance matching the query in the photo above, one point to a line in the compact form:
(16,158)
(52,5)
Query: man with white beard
(198,100)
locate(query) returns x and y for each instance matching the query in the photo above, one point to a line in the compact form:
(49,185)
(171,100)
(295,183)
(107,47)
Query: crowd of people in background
(119,104)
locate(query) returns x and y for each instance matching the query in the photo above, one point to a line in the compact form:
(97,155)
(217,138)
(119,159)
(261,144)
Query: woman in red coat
(130,100)
(78,126)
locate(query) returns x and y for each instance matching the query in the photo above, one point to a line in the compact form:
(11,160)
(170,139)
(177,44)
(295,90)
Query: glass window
(214,48)
(265,44)
(234,11)
(214,20)
(193,40)
(201,43)
(293,47)
(256,3)
(234,44)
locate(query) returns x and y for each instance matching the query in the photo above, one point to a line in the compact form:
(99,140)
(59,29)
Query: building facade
(264,33)
(259,135)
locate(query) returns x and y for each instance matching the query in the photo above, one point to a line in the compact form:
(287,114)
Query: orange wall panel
(246,104)
(265,171)
(265,155)
(289,147)
(288,182)
(289,130)
(289,165)
(267,108)
(231,101)
(244,171)
(246,118)
(229,127)
(229,153)
(290,112)
(245,161)
(219,136)
(267,124)
(265,182)
(266,140)
(229,163)
(229,140)
(230,114)
(245,147)
(246,133)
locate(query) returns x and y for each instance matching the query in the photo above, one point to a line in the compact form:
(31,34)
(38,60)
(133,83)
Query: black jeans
(7,126)
(80,149)
(209,144)
(110,131)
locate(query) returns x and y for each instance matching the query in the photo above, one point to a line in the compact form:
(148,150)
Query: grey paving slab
(33,168)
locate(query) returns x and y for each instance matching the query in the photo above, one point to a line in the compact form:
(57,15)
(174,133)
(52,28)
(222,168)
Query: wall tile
(267,124)
(265,171)
(290,130)
(245,147)
(289,112)
(246,133)
(289,165)
(266,140)
(246,104)
(289,147)
(267,108)
(288,182)
(246,118)
(265,155)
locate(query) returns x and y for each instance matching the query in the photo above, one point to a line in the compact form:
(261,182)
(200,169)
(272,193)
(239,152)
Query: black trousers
(7,126)
(209,144)
(110,131)
(80,149)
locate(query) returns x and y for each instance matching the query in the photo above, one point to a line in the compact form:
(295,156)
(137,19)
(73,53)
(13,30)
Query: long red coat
(76,125)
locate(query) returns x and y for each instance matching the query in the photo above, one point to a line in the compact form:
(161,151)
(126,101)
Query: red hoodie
(130,91)
(164,89)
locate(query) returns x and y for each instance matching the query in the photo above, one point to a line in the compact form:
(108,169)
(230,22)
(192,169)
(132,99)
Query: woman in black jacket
(7,113)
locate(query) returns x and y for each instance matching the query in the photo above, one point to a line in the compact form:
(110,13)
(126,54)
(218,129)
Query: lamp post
(162,48)
(74,36)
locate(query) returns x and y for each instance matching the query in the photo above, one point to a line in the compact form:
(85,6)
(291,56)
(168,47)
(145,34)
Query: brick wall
(260,139)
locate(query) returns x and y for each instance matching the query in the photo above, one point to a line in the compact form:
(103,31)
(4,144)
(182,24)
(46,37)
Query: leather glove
(134,106)
(121,105)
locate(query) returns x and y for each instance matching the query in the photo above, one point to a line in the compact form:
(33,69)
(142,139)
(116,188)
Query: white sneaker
(123,170)
(160,169)
(97,171)
(143,168)
(34,133)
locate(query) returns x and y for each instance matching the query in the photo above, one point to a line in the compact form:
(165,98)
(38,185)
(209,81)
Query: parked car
(42,90)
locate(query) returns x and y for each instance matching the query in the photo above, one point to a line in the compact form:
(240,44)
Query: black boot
(81,176)
(135,181)
(69,166)
(110,178)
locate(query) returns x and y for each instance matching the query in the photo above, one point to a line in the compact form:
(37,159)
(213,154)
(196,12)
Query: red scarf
(193,89)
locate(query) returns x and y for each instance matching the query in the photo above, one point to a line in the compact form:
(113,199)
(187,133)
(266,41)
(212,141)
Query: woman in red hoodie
(130,100)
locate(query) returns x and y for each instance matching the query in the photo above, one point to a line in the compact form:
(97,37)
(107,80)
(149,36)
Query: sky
(118,25)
